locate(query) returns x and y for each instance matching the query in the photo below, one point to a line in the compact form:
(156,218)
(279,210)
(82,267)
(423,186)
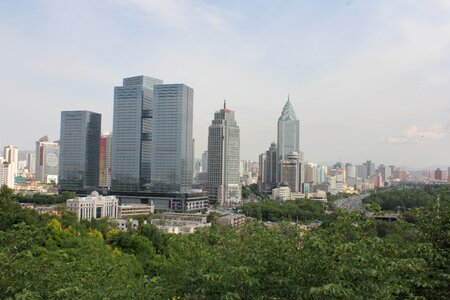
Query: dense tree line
(43,199)
(404,198)
(290,210)
(350,257)
(253,189)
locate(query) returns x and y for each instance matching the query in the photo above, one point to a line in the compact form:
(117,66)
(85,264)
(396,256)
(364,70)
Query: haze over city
(368,80)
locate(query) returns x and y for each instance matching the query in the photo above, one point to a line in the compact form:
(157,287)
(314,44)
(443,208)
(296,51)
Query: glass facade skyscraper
(132,134)
(79,150)
(172,148)
(288,134)
(223,158)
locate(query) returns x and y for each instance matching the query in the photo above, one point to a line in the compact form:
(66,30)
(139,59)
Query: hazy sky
(367,79)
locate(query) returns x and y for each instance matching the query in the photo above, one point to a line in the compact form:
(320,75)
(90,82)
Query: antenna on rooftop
(224,104)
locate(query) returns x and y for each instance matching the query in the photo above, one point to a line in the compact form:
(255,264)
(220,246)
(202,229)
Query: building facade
(223,158)
(11,155)
(288,138)
(6,174)
(132,133)
(79,150)
(292,172)
(105,166)
(47,160)
(172,149)
(94,206)
(31,164)
(270,168)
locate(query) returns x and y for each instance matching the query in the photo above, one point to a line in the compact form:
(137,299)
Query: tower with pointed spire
(223,158)
(288,132)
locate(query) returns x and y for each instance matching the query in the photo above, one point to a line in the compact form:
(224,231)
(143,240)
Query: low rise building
(281,193)
(178,226)
(199,218)
(125,224)
(94,206)
(231,220)
(133,210)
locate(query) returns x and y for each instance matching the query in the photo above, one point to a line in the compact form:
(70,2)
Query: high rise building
(204,166)
(262,170)
(132,134)
(6,174)
(288,133)
(361,171)
(223,158)
(448,175)
(47,160)
(311,173)
(31,163)
(105,166)
(321,173)
(171,151)
(79,150)
(270,172)
(350,171)
(370,168)
(292,171)
(11,155)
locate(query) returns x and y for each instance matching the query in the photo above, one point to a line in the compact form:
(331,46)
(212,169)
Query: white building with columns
(94,206)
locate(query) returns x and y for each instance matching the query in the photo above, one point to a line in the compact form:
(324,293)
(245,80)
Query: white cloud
(181,14)
(414,134)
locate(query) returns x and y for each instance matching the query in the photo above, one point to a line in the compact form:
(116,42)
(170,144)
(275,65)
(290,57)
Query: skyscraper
(11,155)
(288,133)
(223,158)
(311,173)
(79,150)
(6,174)
(105,167)
(171,151)
(132,133)
(47,159)
(31,163)
(292,171)
(270,170)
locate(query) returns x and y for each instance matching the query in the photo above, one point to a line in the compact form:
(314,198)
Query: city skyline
(374,91)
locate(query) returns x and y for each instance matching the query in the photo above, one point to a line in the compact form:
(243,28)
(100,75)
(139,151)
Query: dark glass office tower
(132,134)
(79,150)
(172,146)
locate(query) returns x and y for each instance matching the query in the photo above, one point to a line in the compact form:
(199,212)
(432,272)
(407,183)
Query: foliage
(291,210)
(349,257)
(403,199)
(43,199)
(253,189)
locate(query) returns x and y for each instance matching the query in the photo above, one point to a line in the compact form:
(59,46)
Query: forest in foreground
(348,257)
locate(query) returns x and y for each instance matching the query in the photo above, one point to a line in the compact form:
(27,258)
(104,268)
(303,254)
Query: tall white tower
(223,158)
(11,155)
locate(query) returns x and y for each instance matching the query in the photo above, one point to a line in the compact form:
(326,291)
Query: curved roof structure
(288,112)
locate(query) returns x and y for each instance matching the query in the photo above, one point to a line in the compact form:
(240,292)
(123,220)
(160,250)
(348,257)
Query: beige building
(231,220)
(181,223)
(134,210)
(94,206)
(281,193)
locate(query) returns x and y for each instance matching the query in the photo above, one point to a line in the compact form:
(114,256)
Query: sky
(368,79)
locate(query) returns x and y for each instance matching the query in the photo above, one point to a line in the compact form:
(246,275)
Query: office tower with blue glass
(79,150)
(288,135)
(132,134)
(172,143)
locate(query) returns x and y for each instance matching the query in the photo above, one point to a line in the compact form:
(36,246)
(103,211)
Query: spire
(224,104)
(288,112)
